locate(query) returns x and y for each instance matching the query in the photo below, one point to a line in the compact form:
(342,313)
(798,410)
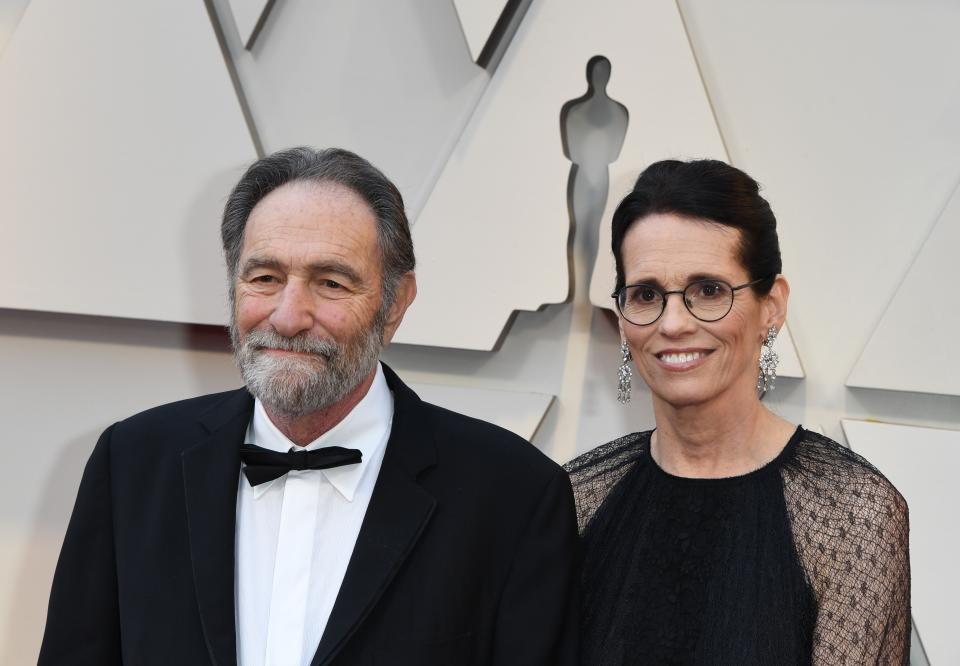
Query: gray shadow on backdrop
(593,128)
(32,587)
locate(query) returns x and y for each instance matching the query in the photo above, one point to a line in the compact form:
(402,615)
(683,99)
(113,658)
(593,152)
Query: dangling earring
(624,374)
(768,363)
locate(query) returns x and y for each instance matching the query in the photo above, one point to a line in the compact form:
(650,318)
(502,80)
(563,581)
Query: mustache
(301,343)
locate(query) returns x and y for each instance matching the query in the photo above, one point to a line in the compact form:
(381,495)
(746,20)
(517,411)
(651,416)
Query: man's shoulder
(483,445)
(173,418)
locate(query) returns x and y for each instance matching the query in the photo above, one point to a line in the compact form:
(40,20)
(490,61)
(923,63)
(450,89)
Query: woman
(727,535)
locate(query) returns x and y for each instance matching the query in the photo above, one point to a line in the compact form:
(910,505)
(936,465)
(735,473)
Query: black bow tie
(262,465)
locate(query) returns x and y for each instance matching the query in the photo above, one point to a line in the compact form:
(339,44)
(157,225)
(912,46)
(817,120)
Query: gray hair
(331,165)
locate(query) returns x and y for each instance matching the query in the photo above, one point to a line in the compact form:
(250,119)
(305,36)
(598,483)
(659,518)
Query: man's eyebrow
(316,268)
(336,267)
(255,262)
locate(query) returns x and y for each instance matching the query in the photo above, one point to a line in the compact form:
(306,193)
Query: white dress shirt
(295,534)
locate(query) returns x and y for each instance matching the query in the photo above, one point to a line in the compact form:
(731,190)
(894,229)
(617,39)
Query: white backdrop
(848,113)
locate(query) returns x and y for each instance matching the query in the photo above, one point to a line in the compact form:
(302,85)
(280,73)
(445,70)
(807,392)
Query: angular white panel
(120,135)
(392,81)
(922,463)
(478,17)
(518,412)
(906,351)
(789,365)
(248,15)
(918,657)
(10,13)
(493,236)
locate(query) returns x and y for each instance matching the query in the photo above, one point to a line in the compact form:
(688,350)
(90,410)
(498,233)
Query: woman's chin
(681,394)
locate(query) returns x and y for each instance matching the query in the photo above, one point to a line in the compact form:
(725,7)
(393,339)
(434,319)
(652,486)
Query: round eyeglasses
(707,300)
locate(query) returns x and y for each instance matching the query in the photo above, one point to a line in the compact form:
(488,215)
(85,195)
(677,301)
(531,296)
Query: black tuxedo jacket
(466,555)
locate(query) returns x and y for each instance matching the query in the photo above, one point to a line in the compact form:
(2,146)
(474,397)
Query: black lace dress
(802,561)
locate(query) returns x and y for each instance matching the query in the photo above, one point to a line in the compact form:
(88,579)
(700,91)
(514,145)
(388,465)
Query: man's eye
(264,279)
(332,284)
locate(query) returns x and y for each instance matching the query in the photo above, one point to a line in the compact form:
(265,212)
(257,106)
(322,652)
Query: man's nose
(676,319)
(294,311)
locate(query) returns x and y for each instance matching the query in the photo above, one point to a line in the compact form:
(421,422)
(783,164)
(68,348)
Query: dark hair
(331,165)
(708,190)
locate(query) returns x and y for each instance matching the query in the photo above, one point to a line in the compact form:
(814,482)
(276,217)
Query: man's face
(308,321)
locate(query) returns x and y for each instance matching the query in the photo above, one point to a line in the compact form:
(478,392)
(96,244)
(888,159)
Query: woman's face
(683,360)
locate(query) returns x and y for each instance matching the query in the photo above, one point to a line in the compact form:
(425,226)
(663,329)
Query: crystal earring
(624,374)
(768,363)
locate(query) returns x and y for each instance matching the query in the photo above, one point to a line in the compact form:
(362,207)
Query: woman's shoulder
(594,473)
(843,482)
(829,460)
(610,456)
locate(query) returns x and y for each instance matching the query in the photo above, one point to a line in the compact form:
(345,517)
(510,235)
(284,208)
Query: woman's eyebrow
(654,282)
(704,276)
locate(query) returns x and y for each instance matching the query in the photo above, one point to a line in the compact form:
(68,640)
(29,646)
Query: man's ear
(402,298)
(775,303)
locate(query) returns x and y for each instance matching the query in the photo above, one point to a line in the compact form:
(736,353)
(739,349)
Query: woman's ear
(775,303)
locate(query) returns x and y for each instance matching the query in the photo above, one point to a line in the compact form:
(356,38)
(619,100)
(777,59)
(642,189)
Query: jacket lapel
(211,471)
(399,511)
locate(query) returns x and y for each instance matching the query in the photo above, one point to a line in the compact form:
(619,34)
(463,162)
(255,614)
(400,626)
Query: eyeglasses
(707,300)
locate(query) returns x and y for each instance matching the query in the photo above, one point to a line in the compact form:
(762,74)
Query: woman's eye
(710,290)
(647,295)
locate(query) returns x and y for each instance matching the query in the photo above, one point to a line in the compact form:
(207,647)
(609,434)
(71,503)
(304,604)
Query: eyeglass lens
(707,300)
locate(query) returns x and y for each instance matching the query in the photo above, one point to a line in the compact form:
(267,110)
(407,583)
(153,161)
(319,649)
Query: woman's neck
(718,439)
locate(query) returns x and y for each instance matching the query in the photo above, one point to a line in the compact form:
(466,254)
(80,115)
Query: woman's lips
(682,359)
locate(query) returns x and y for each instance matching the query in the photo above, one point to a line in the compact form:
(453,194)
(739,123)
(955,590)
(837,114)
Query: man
(323,514)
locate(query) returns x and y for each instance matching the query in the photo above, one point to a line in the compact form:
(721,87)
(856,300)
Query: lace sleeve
(596,472)
(851,529)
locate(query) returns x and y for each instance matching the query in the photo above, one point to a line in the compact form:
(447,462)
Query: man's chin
(287,411)
(279,399)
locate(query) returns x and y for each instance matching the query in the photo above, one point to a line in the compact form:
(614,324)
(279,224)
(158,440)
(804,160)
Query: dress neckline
(774,464)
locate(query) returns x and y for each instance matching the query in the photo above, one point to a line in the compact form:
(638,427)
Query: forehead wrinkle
(330,198)
(298,203)
(311,225)
(672,250)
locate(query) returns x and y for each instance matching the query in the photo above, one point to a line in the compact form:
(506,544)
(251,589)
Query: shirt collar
(366,428)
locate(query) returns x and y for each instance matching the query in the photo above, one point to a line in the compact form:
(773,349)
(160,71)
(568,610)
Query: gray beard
(295,386)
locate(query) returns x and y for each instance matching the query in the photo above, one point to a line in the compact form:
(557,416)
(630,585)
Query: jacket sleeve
(83,620)
(537,622)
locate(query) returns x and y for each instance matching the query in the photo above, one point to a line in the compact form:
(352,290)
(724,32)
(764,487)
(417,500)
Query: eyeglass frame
(664,294)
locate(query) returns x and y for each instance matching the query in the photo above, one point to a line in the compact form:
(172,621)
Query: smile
(682,360)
